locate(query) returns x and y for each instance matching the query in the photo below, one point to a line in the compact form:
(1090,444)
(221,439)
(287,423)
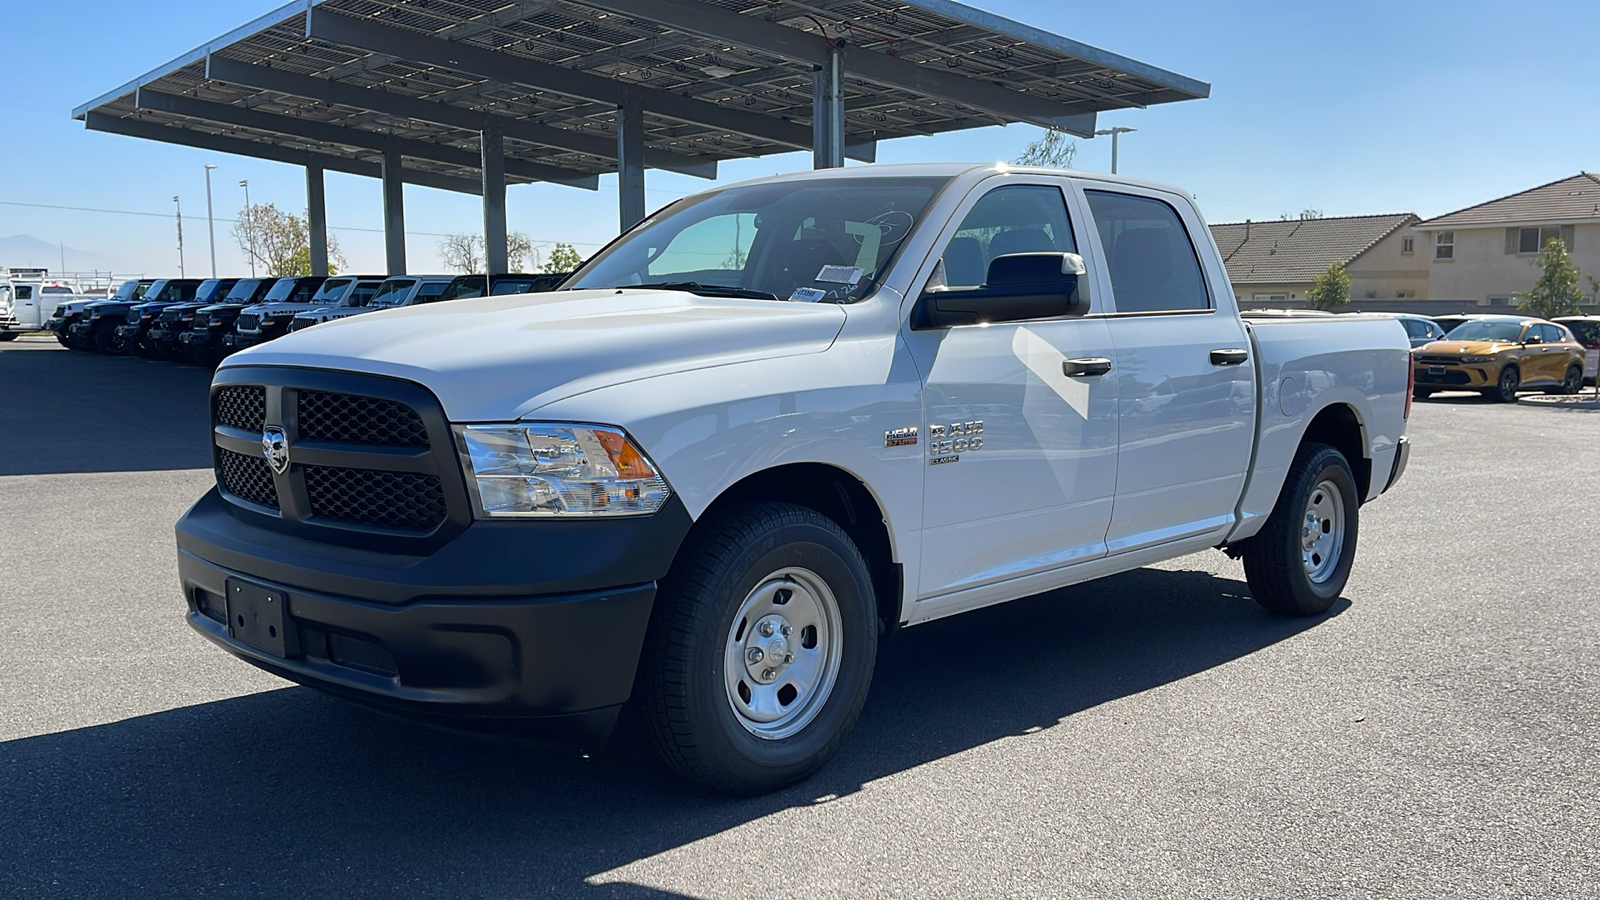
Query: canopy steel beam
(391,104)
(492,147)
(705,20)
(325,25)
(187,137)
(309,129)
(317,219)
(630,166)
(394,212)
(827,114)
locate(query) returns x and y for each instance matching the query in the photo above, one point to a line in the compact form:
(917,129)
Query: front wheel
(1505,389)
(7,336)
(1299,563)
(761,649)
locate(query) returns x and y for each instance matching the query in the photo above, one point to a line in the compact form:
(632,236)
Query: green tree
(280,241)
(1053,149)
(1331,290)
(1555,292)
(564,258)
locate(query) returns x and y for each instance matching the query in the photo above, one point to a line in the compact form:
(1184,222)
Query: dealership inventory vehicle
(1586,331)
(172,322)
(69,313)
(770,424)
(24,298)
(465,287)
(202,344)
(398,290)
(132,335)
(1419,329)
(270,319)
(1497,356)
(95,327)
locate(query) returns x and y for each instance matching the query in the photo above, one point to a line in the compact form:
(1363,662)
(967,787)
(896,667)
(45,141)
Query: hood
(500,358)
(280,309)
(1469,348)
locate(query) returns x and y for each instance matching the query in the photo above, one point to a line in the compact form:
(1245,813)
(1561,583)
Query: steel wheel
(782,654)
(1322,531)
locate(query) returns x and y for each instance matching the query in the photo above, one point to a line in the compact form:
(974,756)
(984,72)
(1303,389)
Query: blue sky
(1351,108)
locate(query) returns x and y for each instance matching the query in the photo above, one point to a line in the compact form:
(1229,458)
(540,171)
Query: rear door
(1587,331)
(1185,381)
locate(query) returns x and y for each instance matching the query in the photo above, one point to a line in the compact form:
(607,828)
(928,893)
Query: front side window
(244,290)
(24,292)
(1014,218)
(1552,334)
(393,291)
(827,239)
(1444,245)
(431,291)
(1153,263)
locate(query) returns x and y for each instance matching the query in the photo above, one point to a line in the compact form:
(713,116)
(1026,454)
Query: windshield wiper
(705,290)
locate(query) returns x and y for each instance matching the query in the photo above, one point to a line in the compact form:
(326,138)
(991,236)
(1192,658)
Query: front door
(1021,456)
(26,305)
(1185,380)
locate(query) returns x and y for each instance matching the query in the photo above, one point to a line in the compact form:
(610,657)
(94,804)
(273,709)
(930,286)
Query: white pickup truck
(758,432)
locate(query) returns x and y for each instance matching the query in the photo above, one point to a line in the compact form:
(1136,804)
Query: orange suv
(1498,356)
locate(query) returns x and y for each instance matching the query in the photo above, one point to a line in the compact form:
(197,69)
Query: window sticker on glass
(807,295)
(840,274)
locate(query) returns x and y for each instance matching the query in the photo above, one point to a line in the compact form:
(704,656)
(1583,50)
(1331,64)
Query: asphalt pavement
(1155,734)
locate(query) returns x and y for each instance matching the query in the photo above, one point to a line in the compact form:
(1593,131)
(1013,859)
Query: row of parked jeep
(202,321)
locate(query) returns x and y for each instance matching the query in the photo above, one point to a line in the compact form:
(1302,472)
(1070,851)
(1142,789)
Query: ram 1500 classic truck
(760,430)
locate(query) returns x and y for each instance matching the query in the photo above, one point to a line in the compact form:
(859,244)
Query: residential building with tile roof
(1273,263)
(1483,255)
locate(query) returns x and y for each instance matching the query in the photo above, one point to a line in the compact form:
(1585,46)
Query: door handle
(1086,367)
(1229,357)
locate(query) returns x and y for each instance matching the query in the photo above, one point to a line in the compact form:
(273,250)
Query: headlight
(1476,359)
(547,469)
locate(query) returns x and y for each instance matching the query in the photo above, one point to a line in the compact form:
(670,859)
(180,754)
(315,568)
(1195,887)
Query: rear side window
(1153,263)
(1587,333)
(431,292)
(1553,334)
(1416,329)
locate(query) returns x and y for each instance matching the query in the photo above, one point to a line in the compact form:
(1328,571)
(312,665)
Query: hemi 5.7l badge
(900,437)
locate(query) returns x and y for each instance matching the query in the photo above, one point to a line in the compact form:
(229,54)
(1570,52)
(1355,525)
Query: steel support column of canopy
(630,161)
(492,146)
(317,219)
(827,113)
(394,213)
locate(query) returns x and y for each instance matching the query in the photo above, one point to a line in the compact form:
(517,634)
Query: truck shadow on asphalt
(69,411)
(289,793)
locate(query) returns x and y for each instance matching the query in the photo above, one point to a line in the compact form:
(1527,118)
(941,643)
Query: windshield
(393,292)
(209,289)
(55,289)
(243,290)
(361,294)
(125,290)
(825,239)
(281,288)
(1486,331)
(331,290)
(155,291)
(512,286)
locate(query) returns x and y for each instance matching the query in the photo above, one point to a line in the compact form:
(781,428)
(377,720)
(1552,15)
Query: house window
(1444,245)
(1408,245)
(1269,298)
(1532,240)
(1499,301)
(1404,295)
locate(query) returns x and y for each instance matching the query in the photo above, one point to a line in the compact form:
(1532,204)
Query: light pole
(180,233)
(211,222)
(1115,132)
(250,224)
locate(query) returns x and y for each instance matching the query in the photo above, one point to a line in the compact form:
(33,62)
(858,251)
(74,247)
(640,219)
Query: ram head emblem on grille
(275,446)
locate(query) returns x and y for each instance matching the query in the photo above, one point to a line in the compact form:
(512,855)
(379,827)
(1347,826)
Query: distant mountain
(27,250)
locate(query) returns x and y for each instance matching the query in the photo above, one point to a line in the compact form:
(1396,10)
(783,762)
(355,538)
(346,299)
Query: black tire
(1572,383)
(62,340)
(7,336)
(151,350)
(1275,564)
(1505,387)
(107,342)
(687,700)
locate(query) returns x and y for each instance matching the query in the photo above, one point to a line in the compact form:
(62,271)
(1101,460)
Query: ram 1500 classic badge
(946,443)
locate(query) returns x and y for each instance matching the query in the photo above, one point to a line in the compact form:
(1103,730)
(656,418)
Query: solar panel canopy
(340,82)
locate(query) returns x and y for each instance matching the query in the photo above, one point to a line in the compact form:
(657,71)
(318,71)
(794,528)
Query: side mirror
(1019,286)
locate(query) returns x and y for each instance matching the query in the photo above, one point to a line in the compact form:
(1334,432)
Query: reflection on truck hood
(500,358)
(1471,348)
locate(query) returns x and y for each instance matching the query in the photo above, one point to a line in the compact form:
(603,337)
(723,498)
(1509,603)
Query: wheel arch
(1339,425)
(846,499)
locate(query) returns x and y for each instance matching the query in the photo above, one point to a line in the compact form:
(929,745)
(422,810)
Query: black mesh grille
(242,407)
(246,477)
(362,654)
(350,419)
(366,497)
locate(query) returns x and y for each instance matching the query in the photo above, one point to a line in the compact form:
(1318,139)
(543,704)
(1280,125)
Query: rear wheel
(1505,388)
(1572,383)
(761,649)
(1299,563)
(7,336)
